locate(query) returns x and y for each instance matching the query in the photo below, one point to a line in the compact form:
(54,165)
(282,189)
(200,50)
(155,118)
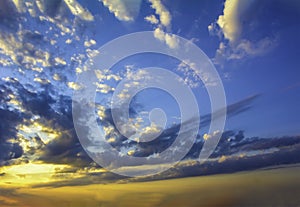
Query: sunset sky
(254,46)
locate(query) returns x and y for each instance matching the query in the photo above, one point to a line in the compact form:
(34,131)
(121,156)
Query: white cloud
(74,86)
(78,10)
(193,75)
(164,14)
(170,39)
(124,10)
(14,50)
(243,49)
(230,30)
(59,61)
(41,80)
(229,22)
(163,24)
(152,19)
(89,43)
(209,136)
(19,4)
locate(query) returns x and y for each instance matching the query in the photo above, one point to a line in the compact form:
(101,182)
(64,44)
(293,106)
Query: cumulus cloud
(152,19)
(231,29)
(164,15)
(162,24)
(124,10)
(230,21)
(169,39)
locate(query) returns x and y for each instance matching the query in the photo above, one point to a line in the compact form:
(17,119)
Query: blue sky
(259,54)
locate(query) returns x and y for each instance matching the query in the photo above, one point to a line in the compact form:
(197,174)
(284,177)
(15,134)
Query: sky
(44,45)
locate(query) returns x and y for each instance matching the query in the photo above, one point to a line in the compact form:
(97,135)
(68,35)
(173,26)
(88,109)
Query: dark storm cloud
(49,106)
(8,122)
(168,136)
(55,111)
(231,163)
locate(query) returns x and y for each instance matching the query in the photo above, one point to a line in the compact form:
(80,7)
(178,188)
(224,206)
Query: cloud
(152,19)
(53,140)
(169,39)
(124,10)
(43,130)
(19,4)
(232,31)
(244,49)
(78,10)
(163,24)
(231,20)
(193,75)
(74,85)
(164,15)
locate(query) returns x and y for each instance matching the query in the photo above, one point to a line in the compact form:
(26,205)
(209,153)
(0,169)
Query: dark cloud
(8,122)
(232,110)
(55,111)
(52,7)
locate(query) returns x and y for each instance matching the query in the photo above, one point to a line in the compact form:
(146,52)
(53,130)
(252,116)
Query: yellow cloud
(164,14)
(41,80)
(74,86)
(60,61)
(124,10)
(34,128)
(169,39)
(229,21)
(78,10)
(152,19)
(29,173)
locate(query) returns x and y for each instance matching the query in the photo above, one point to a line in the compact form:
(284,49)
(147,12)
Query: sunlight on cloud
(163,24)
(41,80)
(171,41)
(124,10)
(78,10)
(152,19)
(164,14)
(89,43)
(229,22)
(19,4)
(34,128)
(29,173)
(74,86)
(229,26)
(60,61)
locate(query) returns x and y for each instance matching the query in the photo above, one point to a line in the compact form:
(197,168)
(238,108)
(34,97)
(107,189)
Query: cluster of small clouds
(193,75)
(127,11)
(74,7)
(230,27)
(162,24)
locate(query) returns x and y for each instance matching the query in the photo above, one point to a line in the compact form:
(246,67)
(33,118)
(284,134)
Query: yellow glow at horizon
(30,173)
